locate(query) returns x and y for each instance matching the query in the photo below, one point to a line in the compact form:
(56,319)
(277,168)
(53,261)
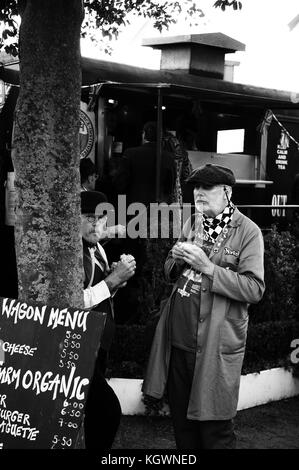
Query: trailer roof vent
(200,54)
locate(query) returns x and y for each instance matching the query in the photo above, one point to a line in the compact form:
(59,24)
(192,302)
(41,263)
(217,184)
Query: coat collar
(236,218)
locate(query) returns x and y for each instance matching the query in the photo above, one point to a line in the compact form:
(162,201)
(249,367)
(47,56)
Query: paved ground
(271,426)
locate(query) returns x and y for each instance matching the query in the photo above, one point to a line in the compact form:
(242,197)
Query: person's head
(93,221)
(212,188)
(88,174)
(149,132)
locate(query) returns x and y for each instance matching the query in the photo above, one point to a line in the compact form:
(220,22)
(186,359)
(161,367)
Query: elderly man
(199,344)
(102,411)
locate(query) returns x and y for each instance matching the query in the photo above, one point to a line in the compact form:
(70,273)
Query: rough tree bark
(46,153)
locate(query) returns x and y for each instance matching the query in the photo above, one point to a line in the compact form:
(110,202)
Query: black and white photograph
(149,229)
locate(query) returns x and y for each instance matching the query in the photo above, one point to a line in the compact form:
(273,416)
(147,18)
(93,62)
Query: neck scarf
(213,226)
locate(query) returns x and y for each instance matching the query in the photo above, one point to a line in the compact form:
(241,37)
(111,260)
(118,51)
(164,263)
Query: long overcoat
(238,280)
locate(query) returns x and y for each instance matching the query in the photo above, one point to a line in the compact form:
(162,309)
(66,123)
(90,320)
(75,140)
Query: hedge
(280,301)
(268,345)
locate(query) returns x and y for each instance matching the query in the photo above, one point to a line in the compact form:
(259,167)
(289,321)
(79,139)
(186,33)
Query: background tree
(46,144)
(235,4)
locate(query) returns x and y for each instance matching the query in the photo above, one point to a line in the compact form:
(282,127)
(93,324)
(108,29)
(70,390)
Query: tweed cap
(90,200)
(210,175)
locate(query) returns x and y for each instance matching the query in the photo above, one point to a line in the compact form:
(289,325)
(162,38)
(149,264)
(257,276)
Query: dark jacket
(94,276)
(139,174)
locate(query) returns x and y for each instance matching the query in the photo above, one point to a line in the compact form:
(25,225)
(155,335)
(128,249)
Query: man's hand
(196,257)
(121,272)
(178,253)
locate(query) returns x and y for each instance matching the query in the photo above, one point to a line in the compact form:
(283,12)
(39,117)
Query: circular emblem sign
(86,135)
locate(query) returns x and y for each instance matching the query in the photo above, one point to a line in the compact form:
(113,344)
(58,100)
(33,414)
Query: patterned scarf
(213,226)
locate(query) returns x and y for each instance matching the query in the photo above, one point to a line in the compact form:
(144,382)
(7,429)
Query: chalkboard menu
(47,358)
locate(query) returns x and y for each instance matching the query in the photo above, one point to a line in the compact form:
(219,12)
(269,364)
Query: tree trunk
(46,154)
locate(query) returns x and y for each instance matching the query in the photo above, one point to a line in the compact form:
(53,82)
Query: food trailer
(252,130)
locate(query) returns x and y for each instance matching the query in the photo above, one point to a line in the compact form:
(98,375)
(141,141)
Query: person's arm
(173,267)
(96,294)
(174,263)
(246,285)
(103,290)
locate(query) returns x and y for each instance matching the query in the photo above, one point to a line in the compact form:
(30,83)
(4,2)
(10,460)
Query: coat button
(199,349)
(204,289)
(201,319)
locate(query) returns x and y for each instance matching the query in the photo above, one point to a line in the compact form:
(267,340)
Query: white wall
(255,389)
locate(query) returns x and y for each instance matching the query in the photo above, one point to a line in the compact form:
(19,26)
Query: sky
(271,58)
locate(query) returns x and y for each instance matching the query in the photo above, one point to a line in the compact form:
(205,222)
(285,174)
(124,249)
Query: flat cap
(211,175)
(90,200)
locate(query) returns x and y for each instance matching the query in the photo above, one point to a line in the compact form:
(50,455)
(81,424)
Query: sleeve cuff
(96,294)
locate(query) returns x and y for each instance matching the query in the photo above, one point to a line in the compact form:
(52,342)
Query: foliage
(268,346)
(111,15)
(8,12)
(153,286)
(130,350)
(228,3)
(281,271)
(104,15)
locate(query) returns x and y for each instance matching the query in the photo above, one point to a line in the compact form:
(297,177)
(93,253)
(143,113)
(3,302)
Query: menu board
(47,358)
